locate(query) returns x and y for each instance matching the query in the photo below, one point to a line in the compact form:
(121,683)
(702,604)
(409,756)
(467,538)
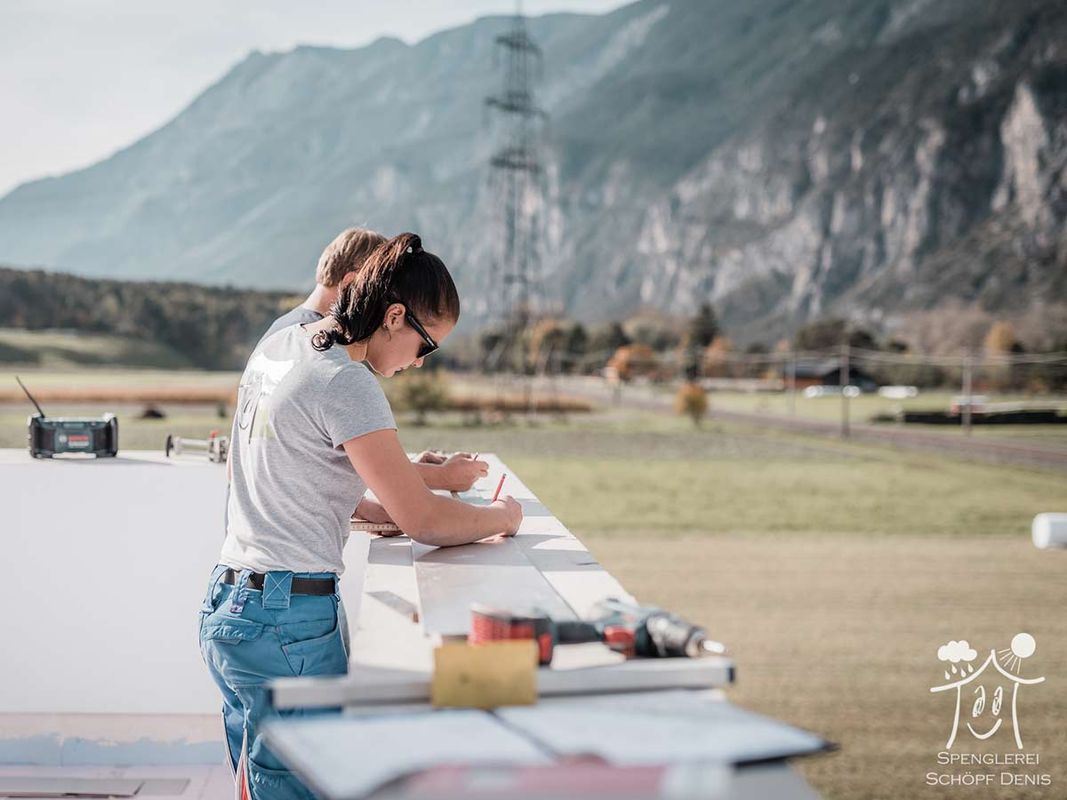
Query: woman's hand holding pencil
(510,505)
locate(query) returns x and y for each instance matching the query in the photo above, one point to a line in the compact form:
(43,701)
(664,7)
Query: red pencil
(496,494)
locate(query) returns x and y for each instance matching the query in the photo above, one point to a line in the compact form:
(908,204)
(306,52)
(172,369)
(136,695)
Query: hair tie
(322,340)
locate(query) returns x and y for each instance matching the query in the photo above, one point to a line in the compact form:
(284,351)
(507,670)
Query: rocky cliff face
(927,167)
(783,158)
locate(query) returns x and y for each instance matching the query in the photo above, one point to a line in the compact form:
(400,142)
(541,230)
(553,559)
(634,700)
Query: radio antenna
(27,391)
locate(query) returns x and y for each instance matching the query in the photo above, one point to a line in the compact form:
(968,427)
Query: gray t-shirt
(293,489)
(297,316)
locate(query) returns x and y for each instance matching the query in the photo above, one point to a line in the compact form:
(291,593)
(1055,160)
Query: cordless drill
(635,631)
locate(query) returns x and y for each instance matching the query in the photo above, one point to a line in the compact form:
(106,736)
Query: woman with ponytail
(313,431)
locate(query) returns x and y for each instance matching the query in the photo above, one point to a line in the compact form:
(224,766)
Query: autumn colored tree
(547,340)
(634,360)
(716,364)
(1001,338)
(692,401)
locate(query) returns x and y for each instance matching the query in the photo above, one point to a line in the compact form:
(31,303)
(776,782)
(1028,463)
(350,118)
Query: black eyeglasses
(430,345)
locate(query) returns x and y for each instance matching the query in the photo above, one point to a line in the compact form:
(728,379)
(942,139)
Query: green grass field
(61,350)
(833,570)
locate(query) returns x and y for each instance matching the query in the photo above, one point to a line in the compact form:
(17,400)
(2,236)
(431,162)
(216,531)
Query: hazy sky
(80,79)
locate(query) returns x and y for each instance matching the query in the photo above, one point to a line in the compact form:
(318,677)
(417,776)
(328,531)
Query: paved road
(1000,451)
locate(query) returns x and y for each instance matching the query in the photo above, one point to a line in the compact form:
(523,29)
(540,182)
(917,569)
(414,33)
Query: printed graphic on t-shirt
(260,380)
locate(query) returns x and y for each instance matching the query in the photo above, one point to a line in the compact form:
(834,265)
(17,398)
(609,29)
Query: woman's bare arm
(424,516)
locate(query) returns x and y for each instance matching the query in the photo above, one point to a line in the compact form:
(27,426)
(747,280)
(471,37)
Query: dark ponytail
(398,271)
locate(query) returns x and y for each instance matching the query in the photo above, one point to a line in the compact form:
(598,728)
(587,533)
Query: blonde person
(313,431)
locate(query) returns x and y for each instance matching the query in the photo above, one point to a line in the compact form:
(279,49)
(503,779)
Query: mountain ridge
(782,160)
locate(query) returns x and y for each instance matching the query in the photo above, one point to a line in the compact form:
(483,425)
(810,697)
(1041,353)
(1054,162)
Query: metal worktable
(648,728)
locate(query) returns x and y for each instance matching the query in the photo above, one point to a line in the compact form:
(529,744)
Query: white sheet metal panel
(340,757)
(57,787)
(564,562)
(498,574)
(113,557)
(543,566)
(387,633)
(659,728)
(696,737)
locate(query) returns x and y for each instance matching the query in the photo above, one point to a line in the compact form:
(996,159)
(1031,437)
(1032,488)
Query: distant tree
(211,327)
(692,401)
(755,368)
(490,343)
(423,392)
(826,334)
(949,330)
(699,333)
(821,335)
(1043,328)
(863,339)
(704,327)
(657,330)
(1049,377)
(575,348)
(1001,338)
(607,338)
(690,358)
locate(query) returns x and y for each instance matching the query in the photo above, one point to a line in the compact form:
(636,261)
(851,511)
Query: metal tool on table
(635,631)
(51,436)
(216,447)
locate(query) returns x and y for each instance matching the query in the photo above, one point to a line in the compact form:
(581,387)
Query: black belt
(300,585)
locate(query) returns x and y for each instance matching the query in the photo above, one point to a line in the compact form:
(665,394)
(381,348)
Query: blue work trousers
(249,637)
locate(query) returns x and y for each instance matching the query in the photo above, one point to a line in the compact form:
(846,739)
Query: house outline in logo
(1022,646)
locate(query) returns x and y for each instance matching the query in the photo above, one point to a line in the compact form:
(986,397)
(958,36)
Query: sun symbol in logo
(1022,646)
